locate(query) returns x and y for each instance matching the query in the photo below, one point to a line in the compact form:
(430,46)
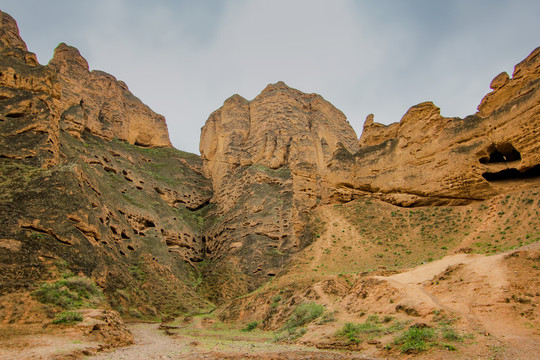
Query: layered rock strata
(266,158)
(90,185)
(89,178)
(428,159)
(287,152)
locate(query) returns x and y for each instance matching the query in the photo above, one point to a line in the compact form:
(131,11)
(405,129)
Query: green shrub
(68,317)
(304,314)
(275,301)
(135,313)
(352,331)
(327,317)
(451,334)
(290,334)
(415,339)
(349,331)
(396,326)
(84,286)
(57,295)
(251,326)
(70,293)
(449,347)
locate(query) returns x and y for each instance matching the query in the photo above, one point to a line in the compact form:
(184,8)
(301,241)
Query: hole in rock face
(15,115)
(148,223)
(138,143)
(500,153)
(512,174)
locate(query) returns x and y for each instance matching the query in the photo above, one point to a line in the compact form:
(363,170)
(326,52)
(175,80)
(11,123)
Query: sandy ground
(153,343)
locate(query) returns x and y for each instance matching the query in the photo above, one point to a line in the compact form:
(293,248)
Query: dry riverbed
(151,342)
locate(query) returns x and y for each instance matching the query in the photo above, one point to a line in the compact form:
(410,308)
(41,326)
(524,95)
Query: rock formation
(96,102)
(452,160)
(89,178)
(85,189)
(265,158)
(38,101)
(275,158)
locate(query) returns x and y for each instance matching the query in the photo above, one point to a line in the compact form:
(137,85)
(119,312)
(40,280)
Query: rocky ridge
(84,186)
(90,184)
(424,160)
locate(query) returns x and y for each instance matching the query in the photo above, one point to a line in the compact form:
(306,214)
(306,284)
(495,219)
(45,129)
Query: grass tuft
(251,326)
(304,314)
(415,339)
(69,293)
(68,317)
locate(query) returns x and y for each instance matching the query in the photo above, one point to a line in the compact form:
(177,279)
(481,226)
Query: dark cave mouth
(501,153)
(512,174)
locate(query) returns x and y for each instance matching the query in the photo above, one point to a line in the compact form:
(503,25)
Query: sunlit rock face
(267,159)
(96,102)
(429,159)
(89,176)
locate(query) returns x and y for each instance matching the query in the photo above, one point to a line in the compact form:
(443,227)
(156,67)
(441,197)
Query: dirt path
(153,343)
(483,288)
(150,343)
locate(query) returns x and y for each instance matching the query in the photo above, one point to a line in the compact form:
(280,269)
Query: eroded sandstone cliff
(90,185)
(274,159)
(428,159)
(266,158)
(90,182)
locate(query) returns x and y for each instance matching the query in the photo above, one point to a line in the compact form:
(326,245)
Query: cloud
(184,58)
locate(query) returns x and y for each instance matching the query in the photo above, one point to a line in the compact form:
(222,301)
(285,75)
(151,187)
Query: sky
(184,58)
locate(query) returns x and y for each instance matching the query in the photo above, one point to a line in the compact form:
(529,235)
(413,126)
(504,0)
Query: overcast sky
(184,58)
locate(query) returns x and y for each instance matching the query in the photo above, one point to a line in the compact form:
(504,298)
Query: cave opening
(512,174)
(501,153)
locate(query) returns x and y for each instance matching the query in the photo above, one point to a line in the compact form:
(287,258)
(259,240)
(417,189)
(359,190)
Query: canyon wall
(91,184)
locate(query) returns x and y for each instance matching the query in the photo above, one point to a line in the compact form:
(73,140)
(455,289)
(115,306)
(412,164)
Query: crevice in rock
(198,207)
(14,115)
(512,174)
(48,232)
(138,143)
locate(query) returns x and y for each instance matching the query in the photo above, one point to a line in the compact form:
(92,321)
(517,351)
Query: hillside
(288,222)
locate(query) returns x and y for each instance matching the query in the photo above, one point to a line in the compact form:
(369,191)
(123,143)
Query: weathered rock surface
(96,102)
(88,176)
(78,195)
(428,159)
(38,101)
(425,159)
(265,158)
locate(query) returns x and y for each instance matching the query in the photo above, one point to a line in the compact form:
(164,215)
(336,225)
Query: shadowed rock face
(78,195)
(88,176)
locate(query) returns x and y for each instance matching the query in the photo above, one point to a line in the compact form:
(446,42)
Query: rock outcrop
(39,101)
(275,158)
(96,102)
(427,159)
(89,179)
(90,185)
(266,158)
